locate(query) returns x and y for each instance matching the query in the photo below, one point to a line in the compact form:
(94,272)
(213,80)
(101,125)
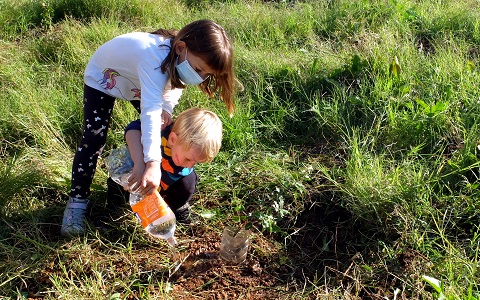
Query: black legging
(97,112)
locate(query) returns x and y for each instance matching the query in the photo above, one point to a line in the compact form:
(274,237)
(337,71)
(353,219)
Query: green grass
(354,148)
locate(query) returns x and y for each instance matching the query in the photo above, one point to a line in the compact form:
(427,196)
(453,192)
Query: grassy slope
(329,124)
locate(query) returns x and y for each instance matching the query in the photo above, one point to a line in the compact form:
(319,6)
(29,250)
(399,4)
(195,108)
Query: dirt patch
(203,274)
(323,246)
(194,271)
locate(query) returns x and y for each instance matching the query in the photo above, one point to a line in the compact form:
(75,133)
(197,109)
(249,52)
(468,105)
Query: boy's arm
(145,176)
(133,138)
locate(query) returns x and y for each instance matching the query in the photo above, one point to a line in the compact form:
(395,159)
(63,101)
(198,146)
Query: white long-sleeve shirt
(128,67)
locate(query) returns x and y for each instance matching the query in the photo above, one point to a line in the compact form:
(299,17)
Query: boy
(194,137)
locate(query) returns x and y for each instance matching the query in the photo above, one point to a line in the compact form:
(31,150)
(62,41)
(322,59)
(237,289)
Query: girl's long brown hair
(209,41)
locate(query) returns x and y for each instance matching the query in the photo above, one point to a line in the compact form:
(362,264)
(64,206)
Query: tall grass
(364,113)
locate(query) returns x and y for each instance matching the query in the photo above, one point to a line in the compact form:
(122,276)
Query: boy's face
(181,155)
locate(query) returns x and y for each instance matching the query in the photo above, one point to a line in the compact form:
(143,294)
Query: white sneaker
(73,222)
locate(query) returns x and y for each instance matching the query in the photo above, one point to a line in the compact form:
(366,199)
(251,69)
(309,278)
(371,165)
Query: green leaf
(422,103)
(395,67)
(368,268)
(438,107)
(115,296)
(356,64)
(208,214)
(275,228)
(435,283)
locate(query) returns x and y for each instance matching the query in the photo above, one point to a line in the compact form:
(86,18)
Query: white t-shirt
(128,67)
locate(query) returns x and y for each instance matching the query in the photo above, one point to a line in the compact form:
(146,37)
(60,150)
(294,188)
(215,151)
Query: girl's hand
(166,119)
(151,178)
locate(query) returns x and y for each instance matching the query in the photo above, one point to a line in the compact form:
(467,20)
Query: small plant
(267,219)
(437,285)
(47,13)
(439,288)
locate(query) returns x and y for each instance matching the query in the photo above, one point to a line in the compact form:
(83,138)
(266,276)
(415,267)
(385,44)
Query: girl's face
(182,156)
(196,62)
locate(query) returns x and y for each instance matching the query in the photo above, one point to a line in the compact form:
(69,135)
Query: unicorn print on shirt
(112,78)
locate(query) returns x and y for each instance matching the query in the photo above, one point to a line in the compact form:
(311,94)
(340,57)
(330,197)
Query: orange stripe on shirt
(166,150)
(163,185)
(166,166)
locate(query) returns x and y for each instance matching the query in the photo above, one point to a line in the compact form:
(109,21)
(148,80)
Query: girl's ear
(180,47)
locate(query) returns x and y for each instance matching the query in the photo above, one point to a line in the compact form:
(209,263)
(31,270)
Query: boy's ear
(180,47)
(172,137)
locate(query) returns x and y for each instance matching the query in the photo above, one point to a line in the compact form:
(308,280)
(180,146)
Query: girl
(149,70)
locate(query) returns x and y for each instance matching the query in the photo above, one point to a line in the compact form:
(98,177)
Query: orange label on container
(150,208)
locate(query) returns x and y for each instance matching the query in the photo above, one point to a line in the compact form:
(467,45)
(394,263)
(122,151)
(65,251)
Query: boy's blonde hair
(201,130)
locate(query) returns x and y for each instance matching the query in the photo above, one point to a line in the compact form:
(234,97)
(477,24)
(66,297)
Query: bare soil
(323,246)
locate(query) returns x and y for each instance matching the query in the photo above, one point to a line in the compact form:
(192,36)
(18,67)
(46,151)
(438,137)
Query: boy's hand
(136,178)
(166,119)
(150,180)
